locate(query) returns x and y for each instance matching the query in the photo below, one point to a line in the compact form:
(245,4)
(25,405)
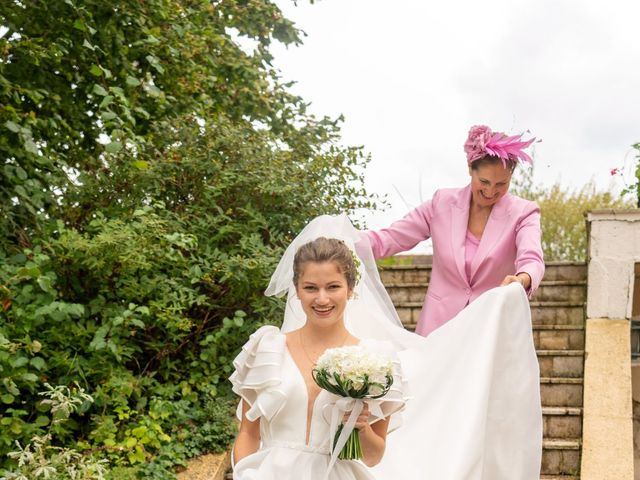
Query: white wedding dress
(474,410)
(267,377)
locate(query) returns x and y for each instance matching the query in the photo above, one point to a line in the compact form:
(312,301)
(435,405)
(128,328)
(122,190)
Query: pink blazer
(510,244)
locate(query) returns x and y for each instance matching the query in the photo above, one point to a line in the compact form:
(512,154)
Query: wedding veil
(370,313)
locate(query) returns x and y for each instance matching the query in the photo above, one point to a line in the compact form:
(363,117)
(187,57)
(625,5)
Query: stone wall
(614,249)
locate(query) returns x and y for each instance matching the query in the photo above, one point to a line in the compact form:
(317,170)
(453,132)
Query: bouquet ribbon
(342,405)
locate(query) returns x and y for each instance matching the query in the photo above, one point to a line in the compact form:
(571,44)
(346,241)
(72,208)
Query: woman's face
(323,292)
(489,183)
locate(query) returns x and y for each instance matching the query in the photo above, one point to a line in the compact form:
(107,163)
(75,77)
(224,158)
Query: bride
(474,409)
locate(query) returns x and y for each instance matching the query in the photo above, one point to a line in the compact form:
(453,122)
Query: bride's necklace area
(309,357)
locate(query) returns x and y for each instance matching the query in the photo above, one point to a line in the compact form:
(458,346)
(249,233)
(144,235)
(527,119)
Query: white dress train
(474,411)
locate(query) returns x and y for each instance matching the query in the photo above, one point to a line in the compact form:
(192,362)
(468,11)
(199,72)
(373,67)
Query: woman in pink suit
(482,236)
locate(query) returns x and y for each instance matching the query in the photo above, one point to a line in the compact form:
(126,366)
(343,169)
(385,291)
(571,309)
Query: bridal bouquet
(356,373)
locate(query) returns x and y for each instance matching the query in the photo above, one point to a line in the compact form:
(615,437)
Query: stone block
(561,366)
(565,272)
(568,366)
(420,276)
(558,339)
(560,462)
(563,426)
(561,394)
(551,339)
(561,293)
(542,314)
(405,315)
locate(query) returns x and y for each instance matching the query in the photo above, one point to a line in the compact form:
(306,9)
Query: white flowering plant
(354,372)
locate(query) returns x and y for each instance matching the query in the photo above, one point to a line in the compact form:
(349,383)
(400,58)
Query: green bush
(563,222)
(136,267)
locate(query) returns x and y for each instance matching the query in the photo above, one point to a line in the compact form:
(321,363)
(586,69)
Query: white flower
(357,365)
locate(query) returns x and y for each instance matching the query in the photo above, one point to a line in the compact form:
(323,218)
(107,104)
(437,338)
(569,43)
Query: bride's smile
(323,293)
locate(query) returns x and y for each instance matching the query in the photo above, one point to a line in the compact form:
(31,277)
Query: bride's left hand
(363,419)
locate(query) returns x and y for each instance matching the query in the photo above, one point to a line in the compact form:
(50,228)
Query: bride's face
(323,292)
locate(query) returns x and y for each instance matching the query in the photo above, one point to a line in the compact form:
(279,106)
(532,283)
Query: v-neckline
(309,418)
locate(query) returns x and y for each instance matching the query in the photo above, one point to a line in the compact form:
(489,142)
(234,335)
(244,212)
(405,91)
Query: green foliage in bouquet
(347,372)
(345,387)
(153,172)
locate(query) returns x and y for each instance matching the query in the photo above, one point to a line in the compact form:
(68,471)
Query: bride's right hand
(363,419)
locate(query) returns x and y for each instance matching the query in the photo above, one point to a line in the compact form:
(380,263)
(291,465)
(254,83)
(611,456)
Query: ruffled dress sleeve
(258,373)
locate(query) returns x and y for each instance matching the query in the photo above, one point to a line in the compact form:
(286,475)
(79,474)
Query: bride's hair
(326,250)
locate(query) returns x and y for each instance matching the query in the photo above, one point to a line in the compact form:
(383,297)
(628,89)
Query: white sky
(411,77)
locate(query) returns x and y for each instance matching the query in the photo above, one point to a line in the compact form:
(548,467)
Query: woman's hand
(372,437)
(362,421)
(523,278)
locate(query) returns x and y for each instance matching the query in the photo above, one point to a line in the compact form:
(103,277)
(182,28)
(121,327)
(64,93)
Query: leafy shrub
(154,173)
(564,233)
(39,459)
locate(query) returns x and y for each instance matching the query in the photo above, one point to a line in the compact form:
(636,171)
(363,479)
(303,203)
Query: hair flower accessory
(482,142)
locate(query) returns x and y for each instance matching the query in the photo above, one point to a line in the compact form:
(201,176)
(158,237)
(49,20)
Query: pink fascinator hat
(482,142)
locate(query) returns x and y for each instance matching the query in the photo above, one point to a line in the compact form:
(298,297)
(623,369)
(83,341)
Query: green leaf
(37,363)
(90,47)
(31,147)
(132,81)
(96,71)
(106,101)
(79,25)
(45,284)
(140,431)
(108,115)
(22,175)
(98,342)
(19,362)
(153,90)
(19,189)
(137,456)
(118,91)
(42,421)
(153,61)
(32,272)
(136,322)
(8,398)
(16,427)
(142,112)
(141,164)
(14,127)
(99,90)
(113,147)
(30,377)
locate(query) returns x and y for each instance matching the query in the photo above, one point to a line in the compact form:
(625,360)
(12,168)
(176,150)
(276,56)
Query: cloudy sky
(411,77)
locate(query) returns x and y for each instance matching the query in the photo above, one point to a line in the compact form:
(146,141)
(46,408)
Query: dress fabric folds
(473,411)
(267,377)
